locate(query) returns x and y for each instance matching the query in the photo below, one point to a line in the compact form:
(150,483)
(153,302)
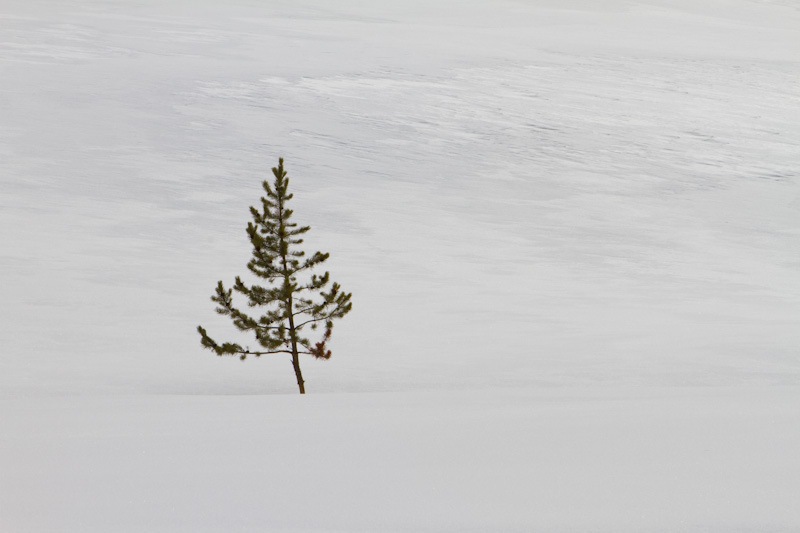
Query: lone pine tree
(291,307)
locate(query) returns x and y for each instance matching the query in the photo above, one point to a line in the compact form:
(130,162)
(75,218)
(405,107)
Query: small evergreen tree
(291,307)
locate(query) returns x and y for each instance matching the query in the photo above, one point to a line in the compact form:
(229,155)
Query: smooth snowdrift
(552,460)
(570,229)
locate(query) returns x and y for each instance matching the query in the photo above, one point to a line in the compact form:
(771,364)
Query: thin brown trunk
(295,355)
(289,303)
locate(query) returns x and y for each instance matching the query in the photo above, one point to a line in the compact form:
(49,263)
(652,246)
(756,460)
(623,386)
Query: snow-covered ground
(518,460)
(571,230)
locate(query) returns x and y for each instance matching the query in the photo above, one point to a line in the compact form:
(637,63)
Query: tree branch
(328,317)
(247,352)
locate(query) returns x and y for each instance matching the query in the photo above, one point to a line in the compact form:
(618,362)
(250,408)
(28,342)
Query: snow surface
(518,460)
(572,231)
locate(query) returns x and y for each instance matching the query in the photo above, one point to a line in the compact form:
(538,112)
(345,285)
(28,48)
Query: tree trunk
(300,382)
(287,284)
(296,364)
(295,355)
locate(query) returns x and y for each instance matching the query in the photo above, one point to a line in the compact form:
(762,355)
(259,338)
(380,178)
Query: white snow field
(571,230)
